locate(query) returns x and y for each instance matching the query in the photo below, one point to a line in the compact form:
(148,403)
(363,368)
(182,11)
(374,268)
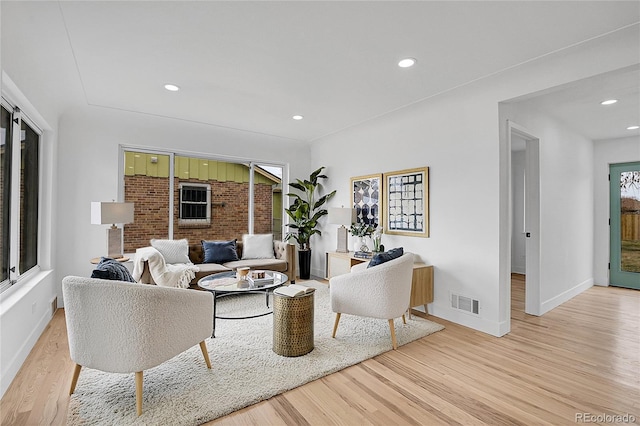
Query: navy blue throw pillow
(380,258)
(219,251)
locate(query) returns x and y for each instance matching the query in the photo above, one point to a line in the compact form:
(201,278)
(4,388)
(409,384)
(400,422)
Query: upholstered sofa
(284,260)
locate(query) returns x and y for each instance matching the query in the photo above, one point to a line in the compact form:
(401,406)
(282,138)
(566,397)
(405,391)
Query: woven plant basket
(293,324)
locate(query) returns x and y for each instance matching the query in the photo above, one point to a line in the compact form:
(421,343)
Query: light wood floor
(582,357)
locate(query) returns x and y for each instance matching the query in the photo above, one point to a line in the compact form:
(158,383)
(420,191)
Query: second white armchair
(382,291)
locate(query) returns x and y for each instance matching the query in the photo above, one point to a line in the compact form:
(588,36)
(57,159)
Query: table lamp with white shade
(104,213)
(345,217)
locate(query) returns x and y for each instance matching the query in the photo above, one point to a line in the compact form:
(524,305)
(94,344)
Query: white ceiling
(578,104)
(253,65)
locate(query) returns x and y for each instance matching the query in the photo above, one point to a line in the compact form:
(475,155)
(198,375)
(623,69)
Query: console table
(421,283)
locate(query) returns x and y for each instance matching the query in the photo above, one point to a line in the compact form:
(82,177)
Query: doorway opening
(525,220)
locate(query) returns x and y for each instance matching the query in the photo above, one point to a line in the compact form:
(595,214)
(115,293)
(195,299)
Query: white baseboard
(317,272)
(17,308)
(564,296)
(476,322)
(10,370)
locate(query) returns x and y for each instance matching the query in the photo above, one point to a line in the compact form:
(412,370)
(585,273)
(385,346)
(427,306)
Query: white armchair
(382,291)
(123,327)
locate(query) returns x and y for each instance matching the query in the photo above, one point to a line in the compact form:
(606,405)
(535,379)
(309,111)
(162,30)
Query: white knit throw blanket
(165,275)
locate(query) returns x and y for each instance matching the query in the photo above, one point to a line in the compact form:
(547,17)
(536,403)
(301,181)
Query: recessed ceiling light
(633,127)
(297,117)
(609,102)
(406,63)
(171,87)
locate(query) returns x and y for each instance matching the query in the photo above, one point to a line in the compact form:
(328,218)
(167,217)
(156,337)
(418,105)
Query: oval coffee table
(225,284)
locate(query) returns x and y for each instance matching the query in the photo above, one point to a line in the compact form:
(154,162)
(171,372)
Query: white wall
(463,169)
(566,213)
(461,137)
(607,152)
(518,243)
(88,167)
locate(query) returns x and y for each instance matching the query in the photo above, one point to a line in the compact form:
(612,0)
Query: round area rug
(245,370)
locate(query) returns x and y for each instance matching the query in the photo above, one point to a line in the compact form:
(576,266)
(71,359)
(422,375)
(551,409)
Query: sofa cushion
(380,258)
(257,246)
(173,251)
(219,251)
(279,265)
(280,249)
(196,253)
(208,269)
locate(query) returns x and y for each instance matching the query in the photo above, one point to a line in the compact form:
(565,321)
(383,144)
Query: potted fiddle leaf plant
(304,214)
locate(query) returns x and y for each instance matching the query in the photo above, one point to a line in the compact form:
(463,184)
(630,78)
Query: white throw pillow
(173,251)
(257,246)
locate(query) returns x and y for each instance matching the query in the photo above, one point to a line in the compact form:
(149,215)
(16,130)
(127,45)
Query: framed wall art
(366,197)
(406,202)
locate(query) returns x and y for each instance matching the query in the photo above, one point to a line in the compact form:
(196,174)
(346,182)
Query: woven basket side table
(293,324)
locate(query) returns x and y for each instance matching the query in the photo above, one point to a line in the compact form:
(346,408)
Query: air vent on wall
(464,303)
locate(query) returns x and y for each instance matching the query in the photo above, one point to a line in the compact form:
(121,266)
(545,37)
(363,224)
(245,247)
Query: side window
(5,192)
(195,204)
(19,188)
(29,183)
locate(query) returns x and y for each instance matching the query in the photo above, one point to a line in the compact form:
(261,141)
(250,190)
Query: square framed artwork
(366,198)
(406,202)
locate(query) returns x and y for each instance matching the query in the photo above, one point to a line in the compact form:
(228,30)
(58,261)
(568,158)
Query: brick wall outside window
(151,198)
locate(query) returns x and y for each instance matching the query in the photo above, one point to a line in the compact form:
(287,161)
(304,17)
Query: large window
(19,187)
(199,198)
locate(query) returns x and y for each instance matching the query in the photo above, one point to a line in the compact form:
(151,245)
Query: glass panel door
(225,215)
(625,225)
(147,186)
(267,200)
